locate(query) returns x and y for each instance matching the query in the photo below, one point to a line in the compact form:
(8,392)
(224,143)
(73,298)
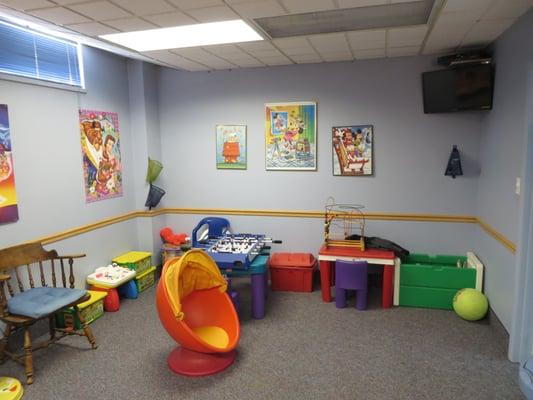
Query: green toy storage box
(139,261)
(432,281)
(145,280)
(90,310)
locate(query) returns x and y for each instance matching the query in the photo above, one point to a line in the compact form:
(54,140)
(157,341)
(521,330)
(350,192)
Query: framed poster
(100,144)
(231,146)
(353,148)
(290,136)
(8,196)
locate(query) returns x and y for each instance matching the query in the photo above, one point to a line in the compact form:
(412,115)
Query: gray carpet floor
(302,349)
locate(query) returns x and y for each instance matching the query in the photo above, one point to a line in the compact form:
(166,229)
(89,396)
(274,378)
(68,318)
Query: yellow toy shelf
(139,261)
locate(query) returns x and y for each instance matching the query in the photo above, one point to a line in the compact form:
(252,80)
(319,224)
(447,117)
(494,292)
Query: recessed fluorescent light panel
(234,31)
(348,19)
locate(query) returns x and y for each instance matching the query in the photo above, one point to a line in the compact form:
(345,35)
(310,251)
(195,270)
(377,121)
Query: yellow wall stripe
(277,213)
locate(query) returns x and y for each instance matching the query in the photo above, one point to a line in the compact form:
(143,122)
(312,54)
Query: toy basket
(342,221)
(90,310)
(139,261)
(145,280)
(154,169)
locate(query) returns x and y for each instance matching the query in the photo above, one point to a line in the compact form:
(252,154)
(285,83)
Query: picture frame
(353,150)
(231,151)
(291,136)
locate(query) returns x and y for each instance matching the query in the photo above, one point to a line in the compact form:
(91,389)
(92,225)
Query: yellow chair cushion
(214,335)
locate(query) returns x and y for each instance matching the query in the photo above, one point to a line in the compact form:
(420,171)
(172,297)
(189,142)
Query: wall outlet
(517,186)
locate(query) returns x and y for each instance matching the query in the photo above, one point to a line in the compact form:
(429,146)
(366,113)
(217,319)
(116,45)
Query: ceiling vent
(347,19)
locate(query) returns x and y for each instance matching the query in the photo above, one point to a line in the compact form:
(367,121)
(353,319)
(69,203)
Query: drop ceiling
(452,25)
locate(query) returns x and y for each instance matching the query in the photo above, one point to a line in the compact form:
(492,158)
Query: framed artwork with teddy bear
(100,144)
(290,136)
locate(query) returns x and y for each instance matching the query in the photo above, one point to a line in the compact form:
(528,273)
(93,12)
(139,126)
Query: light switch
(517,186)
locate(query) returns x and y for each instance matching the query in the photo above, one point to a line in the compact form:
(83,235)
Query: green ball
(470,304)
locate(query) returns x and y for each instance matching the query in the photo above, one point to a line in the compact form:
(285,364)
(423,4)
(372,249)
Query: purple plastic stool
(351,275)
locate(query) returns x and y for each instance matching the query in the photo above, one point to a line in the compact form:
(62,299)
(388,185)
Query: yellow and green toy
(10,388)
(470,304)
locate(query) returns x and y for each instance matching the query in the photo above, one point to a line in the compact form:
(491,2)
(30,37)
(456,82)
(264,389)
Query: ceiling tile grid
(457,24)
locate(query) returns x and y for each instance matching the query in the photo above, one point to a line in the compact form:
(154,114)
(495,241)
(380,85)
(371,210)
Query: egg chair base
(194,364)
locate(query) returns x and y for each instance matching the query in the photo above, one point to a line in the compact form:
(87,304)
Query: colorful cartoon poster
(8,196)
(100,143)
(231,146)
(290,135)
(353,150)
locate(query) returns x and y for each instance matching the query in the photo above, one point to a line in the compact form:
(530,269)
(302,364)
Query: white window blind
(32,54)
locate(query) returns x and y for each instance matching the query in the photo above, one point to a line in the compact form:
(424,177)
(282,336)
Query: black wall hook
(454,168)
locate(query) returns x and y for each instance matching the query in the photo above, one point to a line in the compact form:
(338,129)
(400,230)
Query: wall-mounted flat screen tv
(459,88)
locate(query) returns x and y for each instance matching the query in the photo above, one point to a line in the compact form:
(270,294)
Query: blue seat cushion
(41,301)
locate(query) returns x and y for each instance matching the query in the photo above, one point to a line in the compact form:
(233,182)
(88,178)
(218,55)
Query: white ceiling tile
(59,15)
(67,2)
(260,45)
(175,60)
(366,54)
(501,9)
(411,36)
(266,53)
(306,58)
(403,51)
(304,6)
(404,1)
(170,19)
(470,5)
(485,32)
(298,51)
(374,39)
(130,24)
(143,7)
(330,42)
(225,50)
(279,60)
(459,17)
(27,4)
(360,3)
(291,42)
(219,63)
(252,62)
(100,10)
(192,4)
(201,56)
(212,14)
(259,9)
(337,56)
(92,29)
(439,50)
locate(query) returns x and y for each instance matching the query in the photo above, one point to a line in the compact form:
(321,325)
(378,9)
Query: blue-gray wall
(48,163)
(503,144)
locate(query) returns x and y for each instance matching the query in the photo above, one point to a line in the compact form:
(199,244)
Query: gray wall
(48,162)
(411,149)
(502,159)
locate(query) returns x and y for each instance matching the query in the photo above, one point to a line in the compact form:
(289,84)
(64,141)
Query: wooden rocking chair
(32,303)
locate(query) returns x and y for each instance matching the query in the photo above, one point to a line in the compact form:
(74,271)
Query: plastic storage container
(90,310)
(139,261)
(292,272)
(431,281)
(145,280)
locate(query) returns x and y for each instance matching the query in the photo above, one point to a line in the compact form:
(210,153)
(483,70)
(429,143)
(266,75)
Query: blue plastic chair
(216,227)
(351,275)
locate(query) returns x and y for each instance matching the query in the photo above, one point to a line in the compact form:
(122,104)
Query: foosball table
(236,251)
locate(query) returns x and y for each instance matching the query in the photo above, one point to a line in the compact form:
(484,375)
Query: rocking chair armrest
(71,256)
(4,277)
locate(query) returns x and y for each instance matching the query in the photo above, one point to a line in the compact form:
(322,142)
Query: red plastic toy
(168,236)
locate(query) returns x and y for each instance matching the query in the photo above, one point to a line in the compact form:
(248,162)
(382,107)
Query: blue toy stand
(128,290)
(216,227)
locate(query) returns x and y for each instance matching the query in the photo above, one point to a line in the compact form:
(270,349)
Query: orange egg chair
(196,311)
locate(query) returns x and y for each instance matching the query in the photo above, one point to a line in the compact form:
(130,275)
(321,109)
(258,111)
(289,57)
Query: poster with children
(231,146)
(100,144)
(353,150)
(8,196)
(290,136)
